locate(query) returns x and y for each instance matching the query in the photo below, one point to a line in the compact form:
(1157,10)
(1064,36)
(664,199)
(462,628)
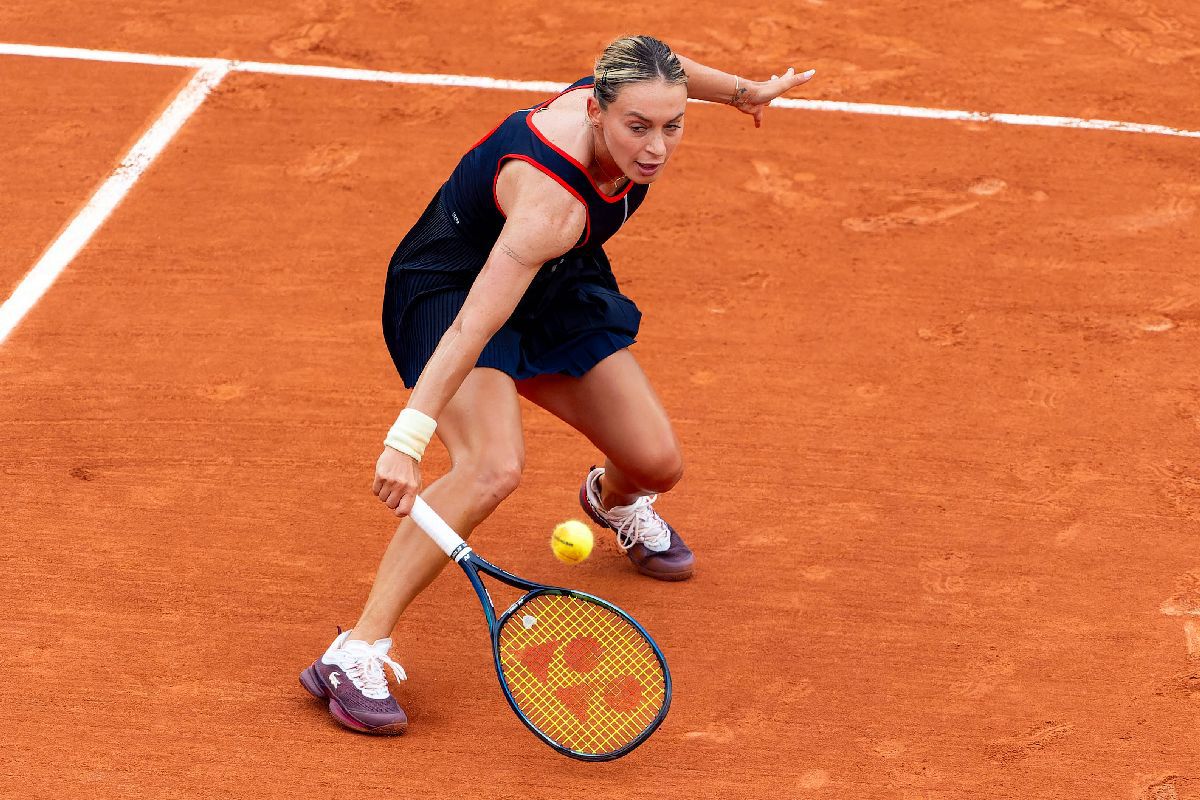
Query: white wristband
(411,433)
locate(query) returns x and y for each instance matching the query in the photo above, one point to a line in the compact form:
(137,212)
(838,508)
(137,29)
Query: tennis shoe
(351,676)
(642,535)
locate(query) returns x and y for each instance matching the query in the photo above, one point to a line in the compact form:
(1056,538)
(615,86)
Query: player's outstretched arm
(749,97)
(543,222)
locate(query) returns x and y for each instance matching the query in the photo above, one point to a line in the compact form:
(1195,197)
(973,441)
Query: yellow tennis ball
(571,541)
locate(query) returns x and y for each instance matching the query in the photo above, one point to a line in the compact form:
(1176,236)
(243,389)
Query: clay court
(936,383)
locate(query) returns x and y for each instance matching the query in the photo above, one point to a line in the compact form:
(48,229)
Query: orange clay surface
(936,385)
(63,125)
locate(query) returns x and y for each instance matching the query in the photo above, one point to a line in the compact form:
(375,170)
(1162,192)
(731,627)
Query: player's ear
(593,112)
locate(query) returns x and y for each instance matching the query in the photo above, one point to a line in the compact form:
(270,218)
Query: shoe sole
(312,684)
(661,576)
(664,576)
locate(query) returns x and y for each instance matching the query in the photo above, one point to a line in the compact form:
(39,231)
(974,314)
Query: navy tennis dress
(572,316)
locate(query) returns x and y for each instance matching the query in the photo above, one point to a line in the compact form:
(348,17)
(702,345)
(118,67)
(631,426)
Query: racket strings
(581,673)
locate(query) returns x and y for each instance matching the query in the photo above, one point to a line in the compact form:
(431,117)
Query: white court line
(379,76)
(109,195)
(210,72)
(415,78)
(116,56)
(983,116)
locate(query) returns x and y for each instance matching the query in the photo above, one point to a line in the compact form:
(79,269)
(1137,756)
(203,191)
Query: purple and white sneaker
(650,543)
(351,676)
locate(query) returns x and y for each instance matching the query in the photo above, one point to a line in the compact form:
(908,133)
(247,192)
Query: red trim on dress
(587,225)
(529,121)
(539,105)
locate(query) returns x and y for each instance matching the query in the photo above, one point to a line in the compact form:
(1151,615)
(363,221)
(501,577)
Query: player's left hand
(755,95)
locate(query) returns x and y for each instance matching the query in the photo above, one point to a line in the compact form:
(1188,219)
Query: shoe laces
(640,523)
(363,664)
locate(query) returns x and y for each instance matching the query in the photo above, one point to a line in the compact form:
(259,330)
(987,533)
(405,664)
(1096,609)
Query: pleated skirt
(571,318)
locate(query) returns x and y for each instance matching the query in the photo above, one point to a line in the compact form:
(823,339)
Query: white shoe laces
(363,664)
(640,523)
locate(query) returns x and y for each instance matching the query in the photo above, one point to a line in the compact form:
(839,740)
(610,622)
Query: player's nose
(656,147)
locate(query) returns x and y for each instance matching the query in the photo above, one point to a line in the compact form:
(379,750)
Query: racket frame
(472,565)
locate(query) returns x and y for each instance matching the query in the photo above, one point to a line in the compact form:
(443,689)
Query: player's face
(642,127)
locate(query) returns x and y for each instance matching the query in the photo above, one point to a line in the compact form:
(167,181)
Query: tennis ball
(571,541)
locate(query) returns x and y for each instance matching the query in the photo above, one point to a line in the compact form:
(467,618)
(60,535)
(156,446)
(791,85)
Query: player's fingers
(394,498)
(804,77)
(377,484)
(404,507)
(386,490)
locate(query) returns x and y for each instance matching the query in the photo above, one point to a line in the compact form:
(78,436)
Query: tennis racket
(581,674)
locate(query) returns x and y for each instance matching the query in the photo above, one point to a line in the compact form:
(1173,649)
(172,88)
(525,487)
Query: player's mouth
(647,170)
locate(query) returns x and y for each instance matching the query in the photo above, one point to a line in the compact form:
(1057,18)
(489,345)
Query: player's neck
(604,169)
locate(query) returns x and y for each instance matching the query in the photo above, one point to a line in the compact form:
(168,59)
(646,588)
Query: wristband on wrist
(411,433)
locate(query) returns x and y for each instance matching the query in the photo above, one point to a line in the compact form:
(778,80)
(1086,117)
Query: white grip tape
(435,527)
(411,433)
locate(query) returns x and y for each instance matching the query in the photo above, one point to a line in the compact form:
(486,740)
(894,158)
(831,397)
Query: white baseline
(108,196)
(422,79)
(210,72)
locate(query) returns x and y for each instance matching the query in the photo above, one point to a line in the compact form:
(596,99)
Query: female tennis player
(502,290)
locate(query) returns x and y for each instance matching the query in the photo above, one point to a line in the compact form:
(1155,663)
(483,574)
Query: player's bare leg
(481,428)
(617,409)
(486,459)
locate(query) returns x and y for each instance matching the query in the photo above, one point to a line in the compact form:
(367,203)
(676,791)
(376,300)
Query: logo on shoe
(333,679)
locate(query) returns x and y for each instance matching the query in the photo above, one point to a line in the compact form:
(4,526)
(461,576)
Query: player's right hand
(397,481)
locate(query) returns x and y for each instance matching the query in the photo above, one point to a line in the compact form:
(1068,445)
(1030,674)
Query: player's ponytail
(634,59)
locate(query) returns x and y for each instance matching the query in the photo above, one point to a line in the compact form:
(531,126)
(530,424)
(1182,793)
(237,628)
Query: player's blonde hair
(634,59)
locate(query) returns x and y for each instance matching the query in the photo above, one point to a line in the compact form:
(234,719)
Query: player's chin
(646,171)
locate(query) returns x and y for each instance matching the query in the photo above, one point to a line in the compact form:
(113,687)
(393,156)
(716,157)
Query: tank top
(470,193)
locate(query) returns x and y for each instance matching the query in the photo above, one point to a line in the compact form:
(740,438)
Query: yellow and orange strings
(580,673)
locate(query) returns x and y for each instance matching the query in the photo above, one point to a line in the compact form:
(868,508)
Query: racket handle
(435,527)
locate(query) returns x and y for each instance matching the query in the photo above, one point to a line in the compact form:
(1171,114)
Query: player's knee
(660,471)
(495,478)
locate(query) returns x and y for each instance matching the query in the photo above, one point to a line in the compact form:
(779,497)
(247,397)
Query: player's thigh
(481,427)
(617,409)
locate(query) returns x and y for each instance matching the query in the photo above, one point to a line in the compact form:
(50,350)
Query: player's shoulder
(543,208)
(528,185)
(531,198)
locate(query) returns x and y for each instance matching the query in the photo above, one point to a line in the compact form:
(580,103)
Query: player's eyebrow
(646,119)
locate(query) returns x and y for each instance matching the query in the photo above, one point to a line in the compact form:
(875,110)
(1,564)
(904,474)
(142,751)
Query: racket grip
(435,527)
